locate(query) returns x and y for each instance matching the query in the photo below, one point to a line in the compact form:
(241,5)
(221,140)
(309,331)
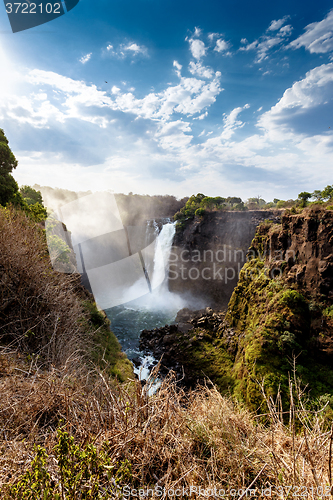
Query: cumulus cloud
(178,68)
(76,99)
(222,45)
(200,70)
(134,49)
(198,48)
(189,97)
(211,36)
(305,108)
(197,32)
(173,135)
(85,59)
(318,37)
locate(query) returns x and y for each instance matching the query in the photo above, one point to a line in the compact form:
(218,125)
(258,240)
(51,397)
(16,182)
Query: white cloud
(79,100)
(178,68)
(222,45)
(189,97)
(200,70)
(197,32)
(231,124)
(318,37)
(172,135)
(244,40)
(211,36)
(129,49)
(266,42)
(275,25)
(197,48)
(135,49)
(85,58)
(299,111)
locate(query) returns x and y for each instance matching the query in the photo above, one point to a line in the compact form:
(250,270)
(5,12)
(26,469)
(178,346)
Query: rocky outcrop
(208,254)
(301,248)
(280,310)
(178,345)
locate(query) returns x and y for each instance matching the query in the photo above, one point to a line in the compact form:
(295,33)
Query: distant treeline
(198,205)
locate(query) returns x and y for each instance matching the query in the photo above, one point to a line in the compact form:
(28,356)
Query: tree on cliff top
(30,195)
(27,199)
(9,191)
(303,197)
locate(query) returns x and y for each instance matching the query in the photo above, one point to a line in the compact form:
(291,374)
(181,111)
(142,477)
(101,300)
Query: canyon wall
(209,253)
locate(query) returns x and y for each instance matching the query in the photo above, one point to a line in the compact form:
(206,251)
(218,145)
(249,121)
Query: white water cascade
(160,299)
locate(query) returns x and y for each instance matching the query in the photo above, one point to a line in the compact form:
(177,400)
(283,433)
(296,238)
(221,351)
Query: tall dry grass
(172,439)
(39,309)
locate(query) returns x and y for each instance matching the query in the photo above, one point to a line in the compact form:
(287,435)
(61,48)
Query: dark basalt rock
(208,254)
(172,343)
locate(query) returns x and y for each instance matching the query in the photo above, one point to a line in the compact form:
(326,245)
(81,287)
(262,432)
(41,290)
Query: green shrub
(200,212)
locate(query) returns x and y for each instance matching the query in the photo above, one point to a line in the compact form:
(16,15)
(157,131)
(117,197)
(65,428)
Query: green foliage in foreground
(81,472)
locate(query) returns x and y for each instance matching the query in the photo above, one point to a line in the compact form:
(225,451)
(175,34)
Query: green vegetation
(31,196)
(25,198)
(198,205)
(9,191)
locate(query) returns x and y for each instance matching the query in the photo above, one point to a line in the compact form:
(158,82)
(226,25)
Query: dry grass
(172,439)
(39,309)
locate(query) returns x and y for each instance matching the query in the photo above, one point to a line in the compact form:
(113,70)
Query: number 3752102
(32,8)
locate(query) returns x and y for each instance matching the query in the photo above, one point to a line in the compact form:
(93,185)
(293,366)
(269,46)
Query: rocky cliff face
(302,248)
(208,254)
(281,310)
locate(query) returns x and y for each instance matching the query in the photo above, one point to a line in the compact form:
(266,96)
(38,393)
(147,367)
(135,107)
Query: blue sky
(225,98)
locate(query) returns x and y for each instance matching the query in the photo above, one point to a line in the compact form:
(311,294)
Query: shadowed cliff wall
(209,253)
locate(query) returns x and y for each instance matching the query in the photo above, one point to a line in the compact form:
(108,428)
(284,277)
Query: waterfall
(157,264)
(162,254)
